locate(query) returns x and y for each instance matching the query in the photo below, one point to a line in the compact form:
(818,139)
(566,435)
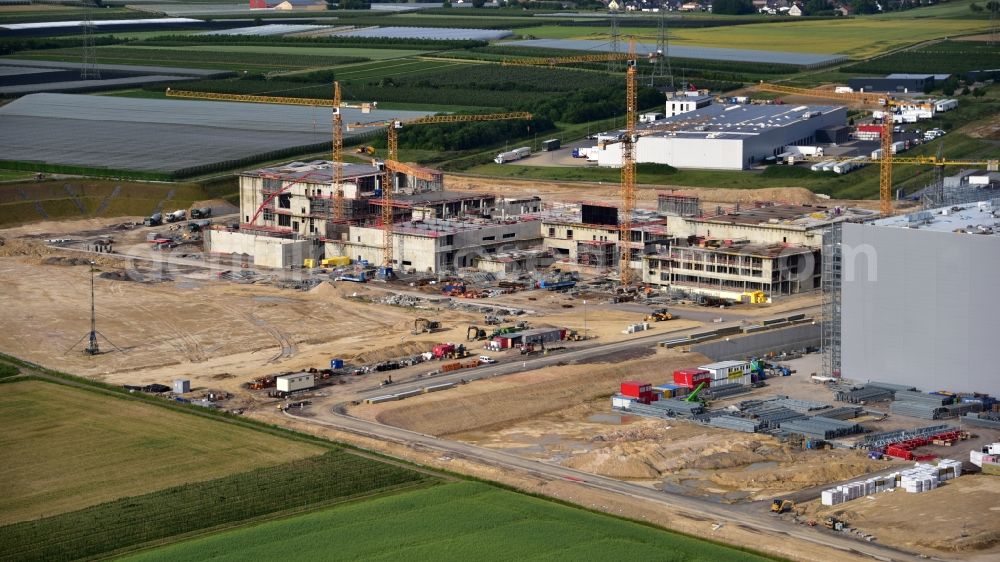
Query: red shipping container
(870,128)
(636,389)
(691,378)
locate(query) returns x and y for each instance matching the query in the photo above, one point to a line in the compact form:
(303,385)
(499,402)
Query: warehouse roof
(736,121)
(803,217)
(981,218)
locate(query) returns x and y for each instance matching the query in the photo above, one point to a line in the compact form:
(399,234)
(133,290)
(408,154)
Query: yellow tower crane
(868,100)
(628,144)
(336,103)
(886,158)
(392,165)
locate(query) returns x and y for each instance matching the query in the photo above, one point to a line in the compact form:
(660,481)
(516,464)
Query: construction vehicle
(835,524)
(309,263)
(353,277)
(156,219)
(780,506)
(493,320)
(364,149)
(475,333)
(693,397)
(201,213)
(176,216)
(574,335)
(755,297)
(425,326)
(658,315)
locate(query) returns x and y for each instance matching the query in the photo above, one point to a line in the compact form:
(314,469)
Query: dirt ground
(961,517)
(598,500)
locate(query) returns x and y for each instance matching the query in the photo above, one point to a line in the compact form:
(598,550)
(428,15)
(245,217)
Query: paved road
(694,508)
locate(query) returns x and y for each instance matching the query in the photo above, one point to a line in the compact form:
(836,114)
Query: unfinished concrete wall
(265,251)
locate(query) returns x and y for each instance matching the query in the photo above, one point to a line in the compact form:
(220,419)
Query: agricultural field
(448,522)
(948,57)
(232,59)
(28,201)
(58,441)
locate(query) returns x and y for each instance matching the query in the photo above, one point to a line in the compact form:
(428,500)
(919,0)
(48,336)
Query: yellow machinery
(392,165)
(336,103)
(659,315)
(782,506)
(335,261)
(309,263)
(365,149)
(756,297)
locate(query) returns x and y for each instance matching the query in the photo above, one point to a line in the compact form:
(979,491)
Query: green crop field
(29,201)
(340,52)
(58,441)
(948,57)
(462,521)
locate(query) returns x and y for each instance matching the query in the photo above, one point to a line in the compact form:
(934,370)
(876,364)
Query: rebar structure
(88,66)
(832,269)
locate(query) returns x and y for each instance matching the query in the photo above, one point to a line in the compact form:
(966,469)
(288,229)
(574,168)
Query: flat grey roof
(160,135)
(711,53)
(736,121)
(441,196)
(96,23)
(982,218)
(429,33)
(269,29)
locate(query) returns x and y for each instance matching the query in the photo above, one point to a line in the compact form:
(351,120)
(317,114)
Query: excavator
(475,333)
(365,149)
(659,315)
(780,506)
(693,397)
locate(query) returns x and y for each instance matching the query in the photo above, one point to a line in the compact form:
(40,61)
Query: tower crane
(887,158)
(628,144)
(336,103)
(868,100)
(392,165)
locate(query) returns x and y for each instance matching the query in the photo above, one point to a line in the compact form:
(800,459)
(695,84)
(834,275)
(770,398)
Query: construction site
(820,366)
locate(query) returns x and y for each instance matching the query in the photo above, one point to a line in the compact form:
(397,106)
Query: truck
(201,213)
(177,215)
(550,145)
(156,219)
(443,350)
(510,156)
(360,277)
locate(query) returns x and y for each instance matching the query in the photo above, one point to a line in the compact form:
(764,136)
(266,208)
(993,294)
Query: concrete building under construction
(728,269)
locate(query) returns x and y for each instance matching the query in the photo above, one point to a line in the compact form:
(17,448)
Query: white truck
(512,155)
(176,216)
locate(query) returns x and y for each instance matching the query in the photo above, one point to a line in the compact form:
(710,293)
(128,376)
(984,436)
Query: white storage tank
(294,382)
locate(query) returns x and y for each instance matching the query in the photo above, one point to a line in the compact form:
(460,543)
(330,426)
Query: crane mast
(391,164)
(338,151)
(628,170)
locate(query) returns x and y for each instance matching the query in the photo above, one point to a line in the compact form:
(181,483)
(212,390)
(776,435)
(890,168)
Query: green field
(28,201)
(462,521)
(58,441)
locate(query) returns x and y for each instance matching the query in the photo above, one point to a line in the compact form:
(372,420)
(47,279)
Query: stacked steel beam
(735,423)
(821,428)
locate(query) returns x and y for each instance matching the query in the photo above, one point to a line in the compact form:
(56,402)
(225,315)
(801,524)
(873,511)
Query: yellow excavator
(658,315)
(365,149)
(782,506)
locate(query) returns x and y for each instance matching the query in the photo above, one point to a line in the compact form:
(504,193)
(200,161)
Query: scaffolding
(596,253)
(938,194)
(831,284)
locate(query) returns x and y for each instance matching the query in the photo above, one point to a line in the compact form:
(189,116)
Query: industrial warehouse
(729,137)
(352,274)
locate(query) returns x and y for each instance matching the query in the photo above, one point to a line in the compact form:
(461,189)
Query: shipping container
(549,145)
(691,378)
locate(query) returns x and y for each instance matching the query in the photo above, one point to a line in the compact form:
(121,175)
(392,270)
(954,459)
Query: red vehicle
(442,350)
